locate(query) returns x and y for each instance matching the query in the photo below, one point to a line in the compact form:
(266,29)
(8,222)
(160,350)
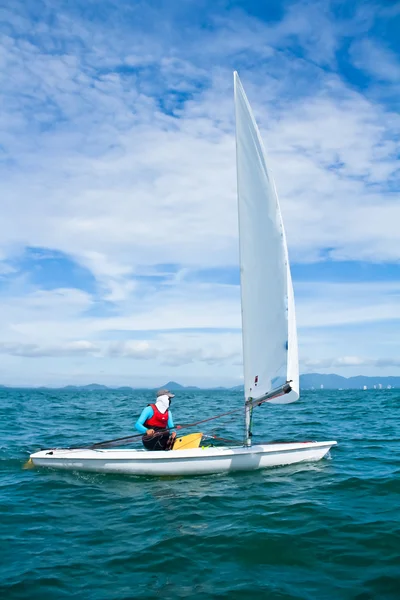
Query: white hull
(197,461)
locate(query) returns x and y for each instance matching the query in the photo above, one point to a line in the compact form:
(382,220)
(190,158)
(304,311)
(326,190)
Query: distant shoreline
(308,381)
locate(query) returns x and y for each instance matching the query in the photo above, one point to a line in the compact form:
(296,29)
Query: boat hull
(198,461)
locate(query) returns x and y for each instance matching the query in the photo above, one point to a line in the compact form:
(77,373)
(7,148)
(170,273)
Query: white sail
(293,353)
(292,372)
(268,320)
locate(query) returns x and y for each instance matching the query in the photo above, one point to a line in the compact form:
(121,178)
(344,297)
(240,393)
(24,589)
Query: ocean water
(326,530)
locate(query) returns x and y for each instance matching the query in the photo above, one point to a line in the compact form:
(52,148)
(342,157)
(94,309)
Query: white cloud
(126,184)
(119,151)
(138,350)
(80,347)
(350,361)
(182,349)
(202,324)
(376,60)
(322,304)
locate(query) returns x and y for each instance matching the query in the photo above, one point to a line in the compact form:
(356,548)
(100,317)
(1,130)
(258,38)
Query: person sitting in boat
(156,423)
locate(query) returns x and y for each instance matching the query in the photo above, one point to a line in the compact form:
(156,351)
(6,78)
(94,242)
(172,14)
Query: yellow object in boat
(187,441)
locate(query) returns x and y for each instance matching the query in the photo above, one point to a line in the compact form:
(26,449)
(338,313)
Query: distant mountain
(308,381)
(172,385)
(91,387)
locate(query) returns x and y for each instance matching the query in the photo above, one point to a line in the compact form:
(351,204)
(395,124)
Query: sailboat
(270,356)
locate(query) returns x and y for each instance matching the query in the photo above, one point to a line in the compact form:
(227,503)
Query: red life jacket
(158,419)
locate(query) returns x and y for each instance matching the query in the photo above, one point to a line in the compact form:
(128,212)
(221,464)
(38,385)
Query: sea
(326,530)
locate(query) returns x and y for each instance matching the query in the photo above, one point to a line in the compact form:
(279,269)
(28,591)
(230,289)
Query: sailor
(156,423)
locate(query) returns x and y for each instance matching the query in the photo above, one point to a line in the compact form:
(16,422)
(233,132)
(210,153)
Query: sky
(118,228)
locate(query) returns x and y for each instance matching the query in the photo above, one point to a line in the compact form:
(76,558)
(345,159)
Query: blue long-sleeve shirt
(147,413)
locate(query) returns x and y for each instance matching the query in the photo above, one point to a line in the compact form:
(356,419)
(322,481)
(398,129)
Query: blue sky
(118,245)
